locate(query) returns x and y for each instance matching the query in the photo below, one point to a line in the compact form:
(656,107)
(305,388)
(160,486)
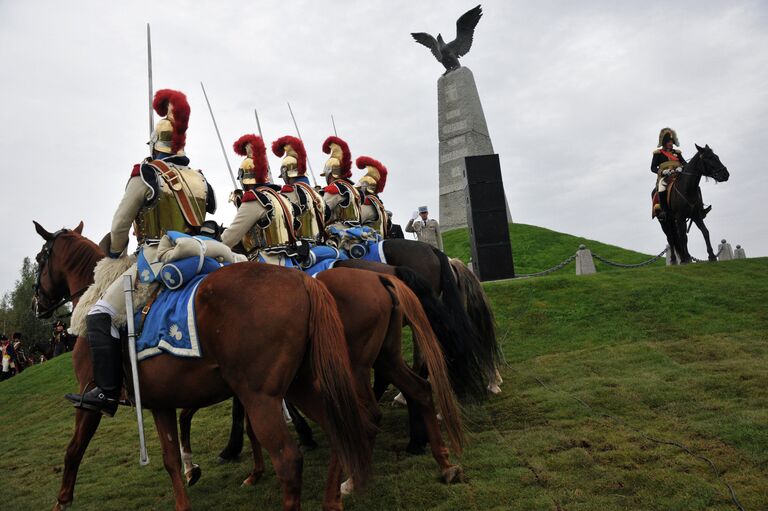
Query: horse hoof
(193,474)
(347,487)
(453,474)
(252,479)
(61,506)
(712,259)
(226,458)
(399,401)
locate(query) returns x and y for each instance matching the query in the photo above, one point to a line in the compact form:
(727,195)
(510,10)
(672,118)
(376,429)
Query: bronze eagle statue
(448,54)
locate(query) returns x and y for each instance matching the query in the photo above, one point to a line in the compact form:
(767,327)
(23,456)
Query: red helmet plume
(278,147)
(366,161)
(258,154)
(346,159)
(181,111)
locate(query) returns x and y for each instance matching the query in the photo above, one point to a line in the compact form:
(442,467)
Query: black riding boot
(106,354)
(663,204)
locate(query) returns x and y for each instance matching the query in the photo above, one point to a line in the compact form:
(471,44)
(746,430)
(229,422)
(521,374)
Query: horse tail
(456,335)
(480,312)
(433,357)
(346,427)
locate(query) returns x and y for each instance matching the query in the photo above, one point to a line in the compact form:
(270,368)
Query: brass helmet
(375,177)
(253,170)
(294,155)
(339,165)
(668,134)
(170,134)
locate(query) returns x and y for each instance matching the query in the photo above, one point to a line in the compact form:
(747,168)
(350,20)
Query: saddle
(671,180)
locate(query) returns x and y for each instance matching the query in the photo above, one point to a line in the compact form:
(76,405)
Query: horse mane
(84,253)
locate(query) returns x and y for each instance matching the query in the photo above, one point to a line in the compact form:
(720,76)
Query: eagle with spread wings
(448,53)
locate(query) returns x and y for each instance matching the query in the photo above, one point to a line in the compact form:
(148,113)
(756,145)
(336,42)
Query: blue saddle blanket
(171,325)
(322,258)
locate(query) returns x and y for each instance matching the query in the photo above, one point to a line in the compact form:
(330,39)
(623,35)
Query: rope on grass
(682,447)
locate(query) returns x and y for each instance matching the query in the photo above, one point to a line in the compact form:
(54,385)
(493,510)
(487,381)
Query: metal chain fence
(566,262)
(637,265)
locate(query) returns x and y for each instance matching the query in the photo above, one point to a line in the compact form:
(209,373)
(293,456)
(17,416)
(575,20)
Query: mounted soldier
(372,211)
(263,225)
(308,205)
(163,194)
(342,199)
(666,162)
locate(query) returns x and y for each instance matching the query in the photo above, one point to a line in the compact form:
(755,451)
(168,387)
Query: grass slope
(536,249)
(687,366)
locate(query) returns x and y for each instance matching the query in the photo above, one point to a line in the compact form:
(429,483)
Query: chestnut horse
(374,309)
(273,345)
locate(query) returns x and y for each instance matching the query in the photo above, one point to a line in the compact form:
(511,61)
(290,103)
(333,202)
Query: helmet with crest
(375,177)
(339,164)
(170,134)
(294,155)
(253,170)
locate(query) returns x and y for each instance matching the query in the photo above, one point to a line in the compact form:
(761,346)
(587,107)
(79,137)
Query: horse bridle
(42,259)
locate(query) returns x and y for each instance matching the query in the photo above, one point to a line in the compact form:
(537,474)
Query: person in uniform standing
(426,229)
(263,225)
(163,194)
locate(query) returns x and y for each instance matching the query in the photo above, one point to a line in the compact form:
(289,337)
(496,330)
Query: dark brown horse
(374,309)
(686,202)
(262,351)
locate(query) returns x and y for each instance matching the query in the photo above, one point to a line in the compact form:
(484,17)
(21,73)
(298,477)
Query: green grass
(688,364)
(535,249)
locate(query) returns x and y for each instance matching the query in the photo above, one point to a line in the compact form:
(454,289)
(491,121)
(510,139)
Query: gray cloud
(574,95)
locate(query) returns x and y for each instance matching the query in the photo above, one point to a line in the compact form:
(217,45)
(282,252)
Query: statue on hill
(448,53)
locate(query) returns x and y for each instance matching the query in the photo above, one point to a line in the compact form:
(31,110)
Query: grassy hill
(536,249)
(598,366)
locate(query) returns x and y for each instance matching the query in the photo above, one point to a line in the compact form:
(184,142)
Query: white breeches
(662,184)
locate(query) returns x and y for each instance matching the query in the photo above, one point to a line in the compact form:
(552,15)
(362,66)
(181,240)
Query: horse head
(711,166)
(51,288)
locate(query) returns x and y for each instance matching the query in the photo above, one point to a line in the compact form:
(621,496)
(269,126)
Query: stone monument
(462,130)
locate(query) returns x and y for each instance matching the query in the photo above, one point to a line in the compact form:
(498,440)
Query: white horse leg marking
(347,487)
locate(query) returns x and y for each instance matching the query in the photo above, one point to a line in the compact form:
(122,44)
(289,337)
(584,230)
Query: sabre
(258,125)
(334,126)
(128,290)
(216,126)
(309,163)
(149,85)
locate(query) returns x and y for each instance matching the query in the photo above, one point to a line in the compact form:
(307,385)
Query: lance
(216,127)
(149,85)
(311,172)
(258,125)
(334,126)
(128,290)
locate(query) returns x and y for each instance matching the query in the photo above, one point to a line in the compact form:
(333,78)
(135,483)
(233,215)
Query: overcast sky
(574,93)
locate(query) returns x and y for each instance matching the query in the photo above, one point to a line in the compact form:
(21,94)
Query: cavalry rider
(163,194)
(666,160)
(308,205)
(372,211)
(263,225)
(342,199)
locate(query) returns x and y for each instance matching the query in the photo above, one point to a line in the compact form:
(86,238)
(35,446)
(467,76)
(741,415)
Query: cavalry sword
(128,290)
(334,126)
(216,126)
(309,163)
(149,84)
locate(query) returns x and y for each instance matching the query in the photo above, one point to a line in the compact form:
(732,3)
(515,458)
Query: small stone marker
(739,253)
(725,251)
(668,256)
(584,263)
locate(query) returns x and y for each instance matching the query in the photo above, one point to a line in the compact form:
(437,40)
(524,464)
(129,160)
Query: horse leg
(165,422)
(306,440)
(191,470)
(682,239)
(418,390)
(86,424)
(266,418)
(380,385)
(235,444)
(705,232)
(258,458)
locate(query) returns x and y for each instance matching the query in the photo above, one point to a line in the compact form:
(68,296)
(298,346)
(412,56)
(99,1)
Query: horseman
(163,194)
(342,199)
(263,225)
(372,211)
(308,205)
(666,161)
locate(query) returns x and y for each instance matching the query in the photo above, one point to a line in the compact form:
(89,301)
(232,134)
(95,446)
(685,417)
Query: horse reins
(42,259)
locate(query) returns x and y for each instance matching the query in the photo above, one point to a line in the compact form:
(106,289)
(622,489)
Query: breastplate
(350,212)
(311,205)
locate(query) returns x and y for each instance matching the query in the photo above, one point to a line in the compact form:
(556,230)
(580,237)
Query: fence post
(584,263)
(739,253)
(725,251)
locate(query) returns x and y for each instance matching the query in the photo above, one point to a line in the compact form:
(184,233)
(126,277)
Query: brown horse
(374,309)
(274,345)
